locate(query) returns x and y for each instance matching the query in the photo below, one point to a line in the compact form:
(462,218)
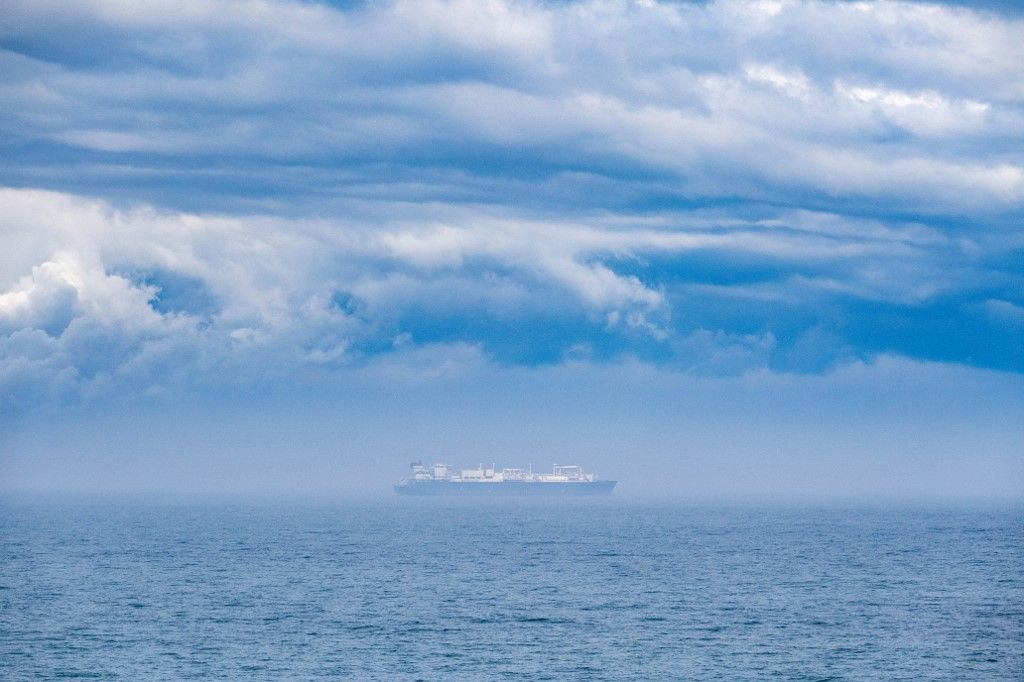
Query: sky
(715,250)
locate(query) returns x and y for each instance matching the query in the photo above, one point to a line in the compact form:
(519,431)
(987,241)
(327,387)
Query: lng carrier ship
(441,479)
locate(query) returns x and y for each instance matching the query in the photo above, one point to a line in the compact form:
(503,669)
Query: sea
(527,590)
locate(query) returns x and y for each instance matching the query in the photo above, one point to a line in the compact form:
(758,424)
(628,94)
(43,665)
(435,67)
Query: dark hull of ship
(506,488)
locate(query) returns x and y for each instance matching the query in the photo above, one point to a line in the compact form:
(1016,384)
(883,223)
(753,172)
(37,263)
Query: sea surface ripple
(453,590)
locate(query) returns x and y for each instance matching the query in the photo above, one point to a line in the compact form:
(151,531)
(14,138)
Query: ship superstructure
(443,479)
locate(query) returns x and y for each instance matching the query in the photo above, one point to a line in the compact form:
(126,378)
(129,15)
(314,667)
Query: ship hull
(506,489)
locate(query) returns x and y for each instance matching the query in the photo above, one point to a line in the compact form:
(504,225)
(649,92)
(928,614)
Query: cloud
(44,300)
(152,299)
(742,99)
(271,191)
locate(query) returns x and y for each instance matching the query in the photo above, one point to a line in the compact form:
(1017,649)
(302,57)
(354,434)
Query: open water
(449,590)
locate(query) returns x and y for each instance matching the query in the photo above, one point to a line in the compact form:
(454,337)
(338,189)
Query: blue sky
(211,210)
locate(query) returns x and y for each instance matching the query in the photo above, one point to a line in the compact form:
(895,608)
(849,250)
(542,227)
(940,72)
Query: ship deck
(506,488)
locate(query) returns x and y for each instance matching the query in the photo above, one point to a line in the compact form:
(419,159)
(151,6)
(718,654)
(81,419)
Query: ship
(442,479)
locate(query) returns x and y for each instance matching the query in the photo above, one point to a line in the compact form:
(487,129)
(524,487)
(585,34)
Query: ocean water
(451,590)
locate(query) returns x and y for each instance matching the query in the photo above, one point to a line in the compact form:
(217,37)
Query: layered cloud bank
(221,193)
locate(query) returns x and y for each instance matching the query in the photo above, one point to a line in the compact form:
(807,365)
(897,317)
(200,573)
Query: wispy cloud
(728,98)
